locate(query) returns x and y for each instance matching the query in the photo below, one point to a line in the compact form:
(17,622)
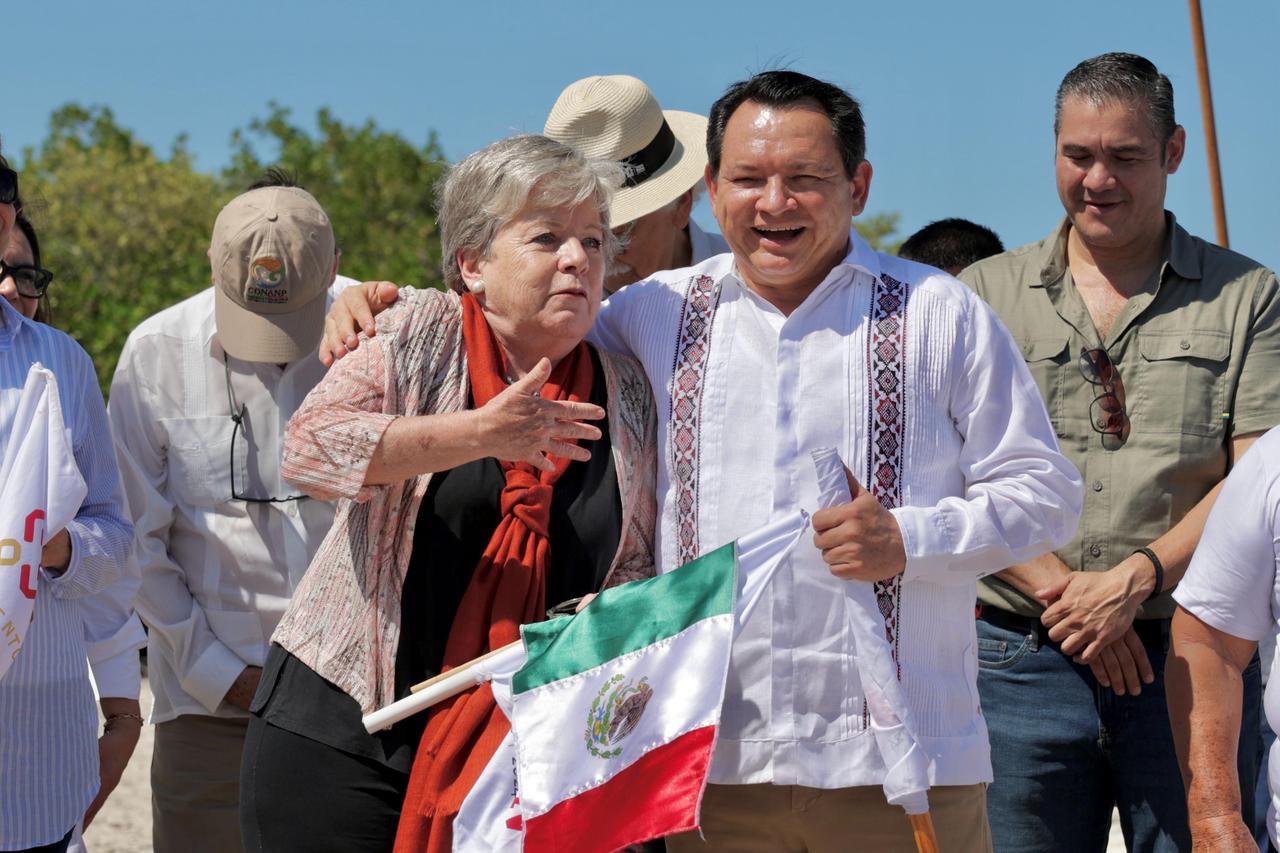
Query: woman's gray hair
(486,190)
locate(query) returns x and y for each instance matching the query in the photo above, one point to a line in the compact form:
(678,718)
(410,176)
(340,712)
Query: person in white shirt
(807,338)
(1228,603)
(199,404)
(49,753)
(112,633)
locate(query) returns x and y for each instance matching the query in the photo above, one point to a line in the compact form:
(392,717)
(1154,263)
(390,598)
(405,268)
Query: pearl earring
(477,286)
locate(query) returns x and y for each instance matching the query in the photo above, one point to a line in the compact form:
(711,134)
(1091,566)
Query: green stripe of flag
(627,618)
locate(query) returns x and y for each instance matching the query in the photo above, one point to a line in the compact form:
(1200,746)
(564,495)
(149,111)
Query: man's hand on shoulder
(351,313)
(860,540)
(242,689)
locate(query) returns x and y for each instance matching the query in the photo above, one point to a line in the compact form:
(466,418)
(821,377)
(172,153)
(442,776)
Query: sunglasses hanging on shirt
(1107,413)
(238,413)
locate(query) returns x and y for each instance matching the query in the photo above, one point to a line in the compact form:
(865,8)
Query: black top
(457,519)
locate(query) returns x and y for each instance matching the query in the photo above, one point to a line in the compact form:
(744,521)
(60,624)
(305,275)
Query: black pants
(298,795)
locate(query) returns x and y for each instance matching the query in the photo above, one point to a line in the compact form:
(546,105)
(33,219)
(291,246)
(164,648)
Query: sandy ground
(124,824)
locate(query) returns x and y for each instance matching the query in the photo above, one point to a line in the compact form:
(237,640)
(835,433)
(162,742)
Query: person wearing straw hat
(199,403)
(663,155)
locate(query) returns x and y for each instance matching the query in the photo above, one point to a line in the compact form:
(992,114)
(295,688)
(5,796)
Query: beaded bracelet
(111,718)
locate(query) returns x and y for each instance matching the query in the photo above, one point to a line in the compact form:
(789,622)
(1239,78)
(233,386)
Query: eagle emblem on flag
(615,713)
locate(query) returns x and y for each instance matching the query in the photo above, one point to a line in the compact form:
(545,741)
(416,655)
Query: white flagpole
(444,686)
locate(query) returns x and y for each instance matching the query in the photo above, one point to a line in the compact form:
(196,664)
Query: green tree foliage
(377,187)
(124,229)
(880,230)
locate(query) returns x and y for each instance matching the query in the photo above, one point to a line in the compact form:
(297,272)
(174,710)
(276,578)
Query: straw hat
(663,152)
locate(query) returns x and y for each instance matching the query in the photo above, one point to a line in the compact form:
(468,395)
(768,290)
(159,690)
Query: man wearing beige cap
(199,403)
(663,154)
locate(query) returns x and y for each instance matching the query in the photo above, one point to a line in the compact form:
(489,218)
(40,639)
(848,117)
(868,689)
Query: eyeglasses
(237,418)
(8,186)
(1106,413)
(31,281)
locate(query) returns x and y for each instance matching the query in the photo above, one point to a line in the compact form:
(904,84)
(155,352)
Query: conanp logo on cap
(266,281)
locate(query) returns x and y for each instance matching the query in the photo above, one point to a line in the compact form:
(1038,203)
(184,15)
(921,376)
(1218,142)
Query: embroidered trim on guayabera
(886,411)
(688,374)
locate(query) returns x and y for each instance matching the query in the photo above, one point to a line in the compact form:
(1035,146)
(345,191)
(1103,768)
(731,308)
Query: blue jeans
(1066,750)
(1262,794)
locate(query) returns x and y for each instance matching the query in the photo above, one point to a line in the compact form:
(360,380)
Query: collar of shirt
(1179,254)
(11,323)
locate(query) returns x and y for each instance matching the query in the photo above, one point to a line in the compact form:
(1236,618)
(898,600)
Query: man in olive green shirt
(1158,356)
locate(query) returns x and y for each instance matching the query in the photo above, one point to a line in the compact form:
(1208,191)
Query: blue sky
(958,97)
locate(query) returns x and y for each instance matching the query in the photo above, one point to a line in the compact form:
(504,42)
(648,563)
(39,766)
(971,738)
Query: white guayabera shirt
(217,573)
(918,386)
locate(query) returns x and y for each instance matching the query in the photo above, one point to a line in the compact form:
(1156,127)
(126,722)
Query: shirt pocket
(200,463)
(1183,382)
(1046,357)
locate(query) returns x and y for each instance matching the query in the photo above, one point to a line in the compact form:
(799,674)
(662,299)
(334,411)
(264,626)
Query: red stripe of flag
(656,796)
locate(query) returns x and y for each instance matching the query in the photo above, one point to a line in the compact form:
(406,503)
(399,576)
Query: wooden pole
(922,829)
(1210,129)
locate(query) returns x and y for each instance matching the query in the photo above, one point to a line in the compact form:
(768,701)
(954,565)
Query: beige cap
(272,254)
(617,118)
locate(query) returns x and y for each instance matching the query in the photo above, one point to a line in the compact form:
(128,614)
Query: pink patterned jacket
(344,620)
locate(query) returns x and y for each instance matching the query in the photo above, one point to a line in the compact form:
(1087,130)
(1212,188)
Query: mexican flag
(614,711)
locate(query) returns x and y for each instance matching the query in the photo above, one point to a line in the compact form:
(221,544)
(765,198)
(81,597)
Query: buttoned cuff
(118,677)
(117,672)
(925,538)
(212,675)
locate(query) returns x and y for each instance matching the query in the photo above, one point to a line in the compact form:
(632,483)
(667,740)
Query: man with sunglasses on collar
(199,404)
(1158,356)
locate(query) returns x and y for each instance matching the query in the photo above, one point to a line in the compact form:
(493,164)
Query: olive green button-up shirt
(1198,352)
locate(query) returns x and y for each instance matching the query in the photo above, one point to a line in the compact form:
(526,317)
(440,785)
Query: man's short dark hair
(789,89)
(276,177)
(1125,78)
(951,243)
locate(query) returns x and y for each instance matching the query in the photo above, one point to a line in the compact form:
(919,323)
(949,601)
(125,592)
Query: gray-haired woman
(487,462)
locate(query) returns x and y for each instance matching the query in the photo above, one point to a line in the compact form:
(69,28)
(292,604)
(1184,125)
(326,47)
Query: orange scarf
(507,590)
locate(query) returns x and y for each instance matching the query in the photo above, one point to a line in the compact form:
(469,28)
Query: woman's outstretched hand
(519,426)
